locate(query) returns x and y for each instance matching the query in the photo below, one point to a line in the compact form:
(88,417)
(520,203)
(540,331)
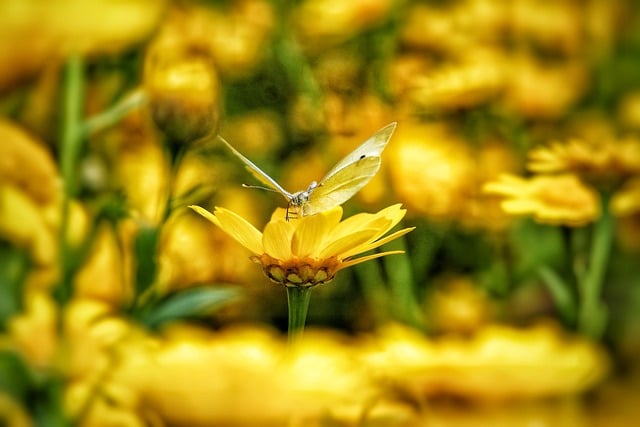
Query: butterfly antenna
(259,187)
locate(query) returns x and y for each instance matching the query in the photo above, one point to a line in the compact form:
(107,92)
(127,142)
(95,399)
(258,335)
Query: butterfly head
(298,201)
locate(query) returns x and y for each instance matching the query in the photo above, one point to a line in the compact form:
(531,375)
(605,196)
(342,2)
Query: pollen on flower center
(298,272)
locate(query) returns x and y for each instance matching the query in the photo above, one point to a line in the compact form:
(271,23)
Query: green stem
(401,281)
(374,290)
(114,114)
(298,300)
(70,148)
(561,293)
(593,313)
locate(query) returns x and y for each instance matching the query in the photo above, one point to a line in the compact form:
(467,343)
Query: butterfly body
(345,179)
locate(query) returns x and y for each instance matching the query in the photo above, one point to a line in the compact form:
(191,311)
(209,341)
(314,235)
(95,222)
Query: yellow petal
(311,232)
(352,262)
(205,213)
(235,226)
(279,213)
(384,220)
(277,239)
(346,244)
(378,243)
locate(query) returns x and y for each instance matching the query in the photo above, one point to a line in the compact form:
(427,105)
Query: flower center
(298,272)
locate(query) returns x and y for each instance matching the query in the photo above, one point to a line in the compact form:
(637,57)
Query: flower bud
(184,97)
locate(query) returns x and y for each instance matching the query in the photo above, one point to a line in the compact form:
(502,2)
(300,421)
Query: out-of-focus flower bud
(184,96)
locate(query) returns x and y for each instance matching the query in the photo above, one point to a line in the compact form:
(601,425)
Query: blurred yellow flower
(455,28)
(499,363)
(184,94)
(34,332)
(322,23)
(69,26)
(310,250)
(143,174)
(556,199)
(26,163)
(626,201)
(629,110)
(105,275)
(22,223)
(234,35)
(539,90)
(606,163)
(458,305)
(217,376)
(431,171)
(472,81)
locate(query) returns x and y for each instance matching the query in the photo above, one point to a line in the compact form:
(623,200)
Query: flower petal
(369,246)
(348,244)
(312,231)
(235,226)
(276,239)
(355,261)
(383,220)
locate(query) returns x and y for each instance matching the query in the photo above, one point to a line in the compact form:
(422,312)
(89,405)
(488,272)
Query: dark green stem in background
(71,141)
(113,115)
(298,300)
(402,283)
(592,316)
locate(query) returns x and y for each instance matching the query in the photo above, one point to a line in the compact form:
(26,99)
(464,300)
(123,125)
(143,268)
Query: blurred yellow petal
(27,164)
(39,320)
(22,223)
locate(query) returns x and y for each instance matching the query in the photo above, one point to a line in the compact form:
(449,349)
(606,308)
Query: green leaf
(145,246)
(190,303)
(401,280)
(15,378)
(14,266)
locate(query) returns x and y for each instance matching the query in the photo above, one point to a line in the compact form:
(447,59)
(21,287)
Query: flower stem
(592,317)
(71,146)
(298,300)
(114,114)
(401,281)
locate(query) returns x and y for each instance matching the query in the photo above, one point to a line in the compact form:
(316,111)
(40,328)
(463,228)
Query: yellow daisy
(555,199)
(604,163)
(310,250)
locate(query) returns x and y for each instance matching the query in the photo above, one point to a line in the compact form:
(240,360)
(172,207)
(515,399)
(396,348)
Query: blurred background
(516,155)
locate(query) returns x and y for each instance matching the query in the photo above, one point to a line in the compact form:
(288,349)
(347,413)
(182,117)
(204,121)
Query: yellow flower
(323,23)
(557,199)
(184,94)
(496,364)
(310,250)
(604,163)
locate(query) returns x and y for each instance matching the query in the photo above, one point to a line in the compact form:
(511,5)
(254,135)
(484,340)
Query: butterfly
(345,179)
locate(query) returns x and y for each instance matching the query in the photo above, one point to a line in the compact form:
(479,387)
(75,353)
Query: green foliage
(187,304)
(14,266)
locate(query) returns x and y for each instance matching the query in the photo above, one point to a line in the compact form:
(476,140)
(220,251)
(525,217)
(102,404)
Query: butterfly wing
(371,147)
(350,174)
(257,172)
(342,185)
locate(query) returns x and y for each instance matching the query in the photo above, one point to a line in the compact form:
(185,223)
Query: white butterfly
(338,185)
